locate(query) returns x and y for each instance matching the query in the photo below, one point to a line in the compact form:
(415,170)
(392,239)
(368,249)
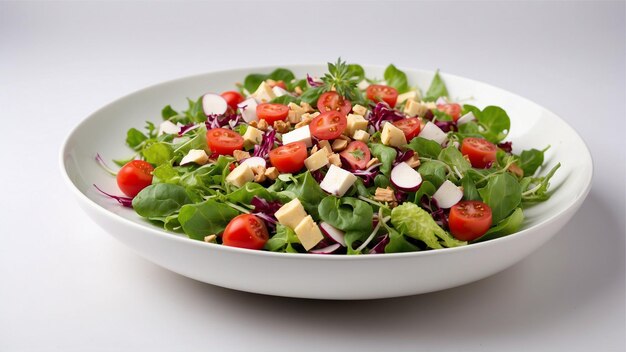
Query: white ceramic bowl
(324,276)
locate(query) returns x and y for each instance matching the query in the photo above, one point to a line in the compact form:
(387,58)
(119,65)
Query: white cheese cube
(413,108)
(363,85)
(291,214)
(264,93)
(302,134)
(360,135)
(392,136)
(308,233)
(248,110)
(359,110)
(252,137)
(279,92)
(434,133)
(197,156)
(317,160)
(240,175)
(465,119)
(355,122)
(168,127)
(413,95)
(337,181)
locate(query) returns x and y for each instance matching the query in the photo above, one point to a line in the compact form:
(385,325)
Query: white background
(65,285)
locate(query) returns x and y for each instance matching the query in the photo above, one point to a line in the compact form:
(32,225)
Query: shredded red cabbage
(381,113)
(379,248)
(265,210)
(125,201)
(403,156)
(428,115)
(318,175)
(267,144)
(447,126)
(506,146)
(186,128)
(368,174)
(438,214)
(217,121)
(313,82)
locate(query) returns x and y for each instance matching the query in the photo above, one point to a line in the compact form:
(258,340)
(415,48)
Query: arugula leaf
(168,112)
(453,157)
(206,218)
(433,172)
(396,78)
(252,81)
(424,147)
(539,190)
(415,222)
(195,111)
(282,240)
(502,194)
(308,191)
(158,153)
(530,161)
(122,162)
(385,154)
(505,227)
(437,88)
(160,200)
(469,189)
(134,138)
(165,173)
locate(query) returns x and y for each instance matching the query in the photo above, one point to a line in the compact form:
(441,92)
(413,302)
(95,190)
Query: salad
(340,164)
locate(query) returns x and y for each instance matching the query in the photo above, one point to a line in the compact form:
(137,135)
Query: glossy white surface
(67,282)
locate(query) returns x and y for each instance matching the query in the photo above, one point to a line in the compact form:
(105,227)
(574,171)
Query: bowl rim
(153,230)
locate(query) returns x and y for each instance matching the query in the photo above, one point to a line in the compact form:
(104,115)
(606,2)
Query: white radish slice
(465,119)
(248,110)
(279,92)
(448,195)
(441,101)
(168,127)
(214,104)
(255,161)
(405,177)
(326,250)
(434,133)
(333,233)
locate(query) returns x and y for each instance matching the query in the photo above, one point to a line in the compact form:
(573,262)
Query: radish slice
(279,92)
(254,161)
(248,110)
(441,101)
(333,233)
(447,195)
(405,177)
(434,133)
(214,104)
(326,250)
(465,119)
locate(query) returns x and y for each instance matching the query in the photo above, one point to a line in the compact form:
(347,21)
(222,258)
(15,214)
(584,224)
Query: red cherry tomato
(378,92)
(480,152)
(332,101)
(232,98)
(223,142)
(272,112)
(357,155)
(469,219)
(410,126)
(245,231)
(289,158)
(328,125)
(134,176)
(454,110)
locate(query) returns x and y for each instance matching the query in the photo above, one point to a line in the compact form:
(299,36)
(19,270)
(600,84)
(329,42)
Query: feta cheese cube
(317,160)
(197,156)
(413,108)
(355,122)
(434,133)
(360,135)
(363,85)
(413,95)
(337,181)
(279,92)
(359,110)
(240,175)
(248,110)
(308,233)
(392,136)
(252,137)
(302,134)
(291,214)
(264,93)
(168,127)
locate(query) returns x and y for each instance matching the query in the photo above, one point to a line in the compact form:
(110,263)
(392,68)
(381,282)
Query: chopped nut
(344,137)
(298,90)
(467,158)
(293,117)
(305,121)
(313,150)
(253,123)
(271,173)
(339,145)
(259,174)
(334,159)
(240,155)
(360,110)
(324,144)
(282,126)
(372,162)
(210,239)
(310,115)
(384,195)
(414,161)
(262,125)
(306,107)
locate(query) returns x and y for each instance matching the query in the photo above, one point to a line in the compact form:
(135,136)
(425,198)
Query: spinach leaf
(530,161)
(433,172)
(453,157)
(495,122)
(469,129)
(385,154)
(159,200)
(413,221)
(206,218)
(308,191)
(396,78)
(348,214)
(381,181)
(505,227)
(197,142)
(158,153)
(356,72)
(503,194)
(282,240)
(252,81)
(134,138)
(426,189)
(424,147)
(245,194)
(398,243)
(469,189)
(437,88)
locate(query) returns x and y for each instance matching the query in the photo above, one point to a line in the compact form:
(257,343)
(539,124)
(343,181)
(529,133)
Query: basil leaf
(425,147)
(530,161)
(509,225)
(503,194)
(437,88)
(385,154)
(396,78)
(160,200)
(206,218)
(134,138)
(433,172)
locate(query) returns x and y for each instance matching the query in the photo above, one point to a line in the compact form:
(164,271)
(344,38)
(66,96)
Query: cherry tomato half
(357,155)
(410,126)
(469,219)
(272,112)
(378,92)
(134,176)
(223,142)
(328,125)
(454,110)
(332,101)
(232,98)
(289,158)
(480,151)
(245,231)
